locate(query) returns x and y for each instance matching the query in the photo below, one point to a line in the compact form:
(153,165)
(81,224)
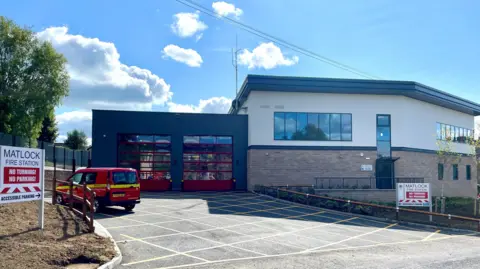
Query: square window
(383,149)
(383,133)
(383,120)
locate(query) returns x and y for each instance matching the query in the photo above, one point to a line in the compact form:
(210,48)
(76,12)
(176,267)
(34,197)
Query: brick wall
(413,164)
(281,167)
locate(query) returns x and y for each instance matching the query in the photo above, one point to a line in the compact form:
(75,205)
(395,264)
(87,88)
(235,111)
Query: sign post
(414,194)
(22,176)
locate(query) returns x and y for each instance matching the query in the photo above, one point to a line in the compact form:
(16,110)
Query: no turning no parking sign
(21,174)
(414,194)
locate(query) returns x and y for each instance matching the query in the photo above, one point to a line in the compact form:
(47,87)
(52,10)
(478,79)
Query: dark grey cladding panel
(106,124)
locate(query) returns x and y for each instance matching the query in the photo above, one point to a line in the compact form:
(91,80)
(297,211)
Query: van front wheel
(129,207)
(97,206)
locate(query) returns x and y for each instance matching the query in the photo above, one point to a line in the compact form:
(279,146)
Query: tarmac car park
(246,230)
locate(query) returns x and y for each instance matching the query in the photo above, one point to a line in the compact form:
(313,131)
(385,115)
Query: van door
(125,186)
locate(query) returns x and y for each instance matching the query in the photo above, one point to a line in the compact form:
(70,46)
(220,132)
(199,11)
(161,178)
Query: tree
(76,140)
(49,131)
(33,80)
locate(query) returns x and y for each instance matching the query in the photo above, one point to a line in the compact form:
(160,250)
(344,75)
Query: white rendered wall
(413,121)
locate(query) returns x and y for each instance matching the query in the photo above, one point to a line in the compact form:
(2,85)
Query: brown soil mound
(65,239)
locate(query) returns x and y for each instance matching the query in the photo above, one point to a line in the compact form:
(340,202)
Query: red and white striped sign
(21,174)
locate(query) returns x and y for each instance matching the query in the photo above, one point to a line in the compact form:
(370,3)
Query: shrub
(258,188)
(366,187)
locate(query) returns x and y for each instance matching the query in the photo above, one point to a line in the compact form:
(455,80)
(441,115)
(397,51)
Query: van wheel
(97,206)
(59,200)
(129,207)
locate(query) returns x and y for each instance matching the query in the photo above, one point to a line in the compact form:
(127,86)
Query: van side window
(90,178)
(77,178)
(124,177)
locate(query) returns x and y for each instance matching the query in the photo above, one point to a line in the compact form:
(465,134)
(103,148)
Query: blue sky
(431,42)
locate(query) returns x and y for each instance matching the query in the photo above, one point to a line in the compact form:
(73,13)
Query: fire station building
(331,133)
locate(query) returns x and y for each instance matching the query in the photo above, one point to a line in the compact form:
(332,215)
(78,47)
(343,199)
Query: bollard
(397,215)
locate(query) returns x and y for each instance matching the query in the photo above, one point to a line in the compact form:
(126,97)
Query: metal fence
(304,195)
(55,156)
(360,182)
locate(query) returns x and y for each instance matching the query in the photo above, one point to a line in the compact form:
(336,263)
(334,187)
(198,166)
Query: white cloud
(187,56)
(219,105)
(78,119)
(99,80)
(267,56)
(187,24)
(224,9)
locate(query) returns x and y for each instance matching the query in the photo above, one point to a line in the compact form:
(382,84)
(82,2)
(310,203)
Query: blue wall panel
(107,124)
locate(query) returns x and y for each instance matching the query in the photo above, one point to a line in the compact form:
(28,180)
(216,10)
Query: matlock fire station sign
(21,174)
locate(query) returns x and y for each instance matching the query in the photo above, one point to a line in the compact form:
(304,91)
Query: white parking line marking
(430,235)
(351,238)
(164,248)
(191,234)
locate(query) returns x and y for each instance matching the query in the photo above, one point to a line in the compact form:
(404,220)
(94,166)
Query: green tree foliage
(76,140)
(33,80)
(49,131)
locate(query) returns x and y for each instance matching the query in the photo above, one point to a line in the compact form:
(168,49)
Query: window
(346,127)
(149,154)
(279,123)
(90,178)
(312,126)
(383,149)
(124,177)
(469,172)
(77,178)
(208,161)
(290,125)
(452,133)
(384,140)
(455,171)
(440,171)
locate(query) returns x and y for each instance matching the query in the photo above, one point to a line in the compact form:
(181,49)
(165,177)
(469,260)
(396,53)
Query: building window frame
(343,136)
(383,141)
(468,172)
(441,170)
(448,132)
(455,171)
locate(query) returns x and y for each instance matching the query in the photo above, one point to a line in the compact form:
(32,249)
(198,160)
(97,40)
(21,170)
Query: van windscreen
(124,177)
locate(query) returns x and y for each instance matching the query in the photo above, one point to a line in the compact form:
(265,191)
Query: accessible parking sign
(21,174)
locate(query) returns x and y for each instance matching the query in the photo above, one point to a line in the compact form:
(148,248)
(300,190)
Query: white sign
(366,167)
(413,194)
(21,174)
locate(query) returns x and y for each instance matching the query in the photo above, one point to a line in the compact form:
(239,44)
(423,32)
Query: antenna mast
(235,65)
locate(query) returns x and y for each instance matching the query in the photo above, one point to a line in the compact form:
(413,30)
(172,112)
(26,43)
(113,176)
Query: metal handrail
(360,182)
(397,209)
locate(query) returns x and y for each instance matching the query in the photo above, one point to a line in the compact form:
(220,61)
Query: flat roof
(353,86)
